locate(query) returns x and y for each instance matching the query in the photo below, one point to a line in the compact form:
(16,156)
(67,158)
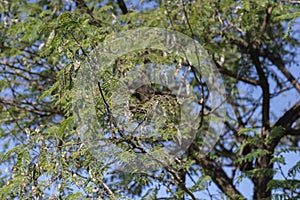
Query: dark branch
(266,19)
(180,182)
(104,100)
(289,116)
(82,5)
(217,174)
(123,7)
(227,72)
(293,132)
(286,122)
(265,89)
(278,62)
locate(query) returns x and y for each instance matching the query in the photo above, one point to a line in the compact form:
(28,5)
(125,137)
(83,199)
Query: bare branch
(123,7)
(265,90)
(289,116)
(286,122)
(227,72)
(276,59)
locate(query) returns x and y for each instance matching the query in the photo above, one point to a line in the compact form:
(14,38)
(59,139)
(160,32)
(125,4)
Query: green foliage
(77,195)
(43,45)
(253,155)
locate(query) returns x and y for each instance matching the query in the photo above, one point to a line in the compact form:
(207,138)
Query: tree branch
(229,73)
(217,174)
(123,7)
(180,182)
(82,5)
(278,62)
(286,122)
(265,90)
(289,116)
(266,19)
(293,132)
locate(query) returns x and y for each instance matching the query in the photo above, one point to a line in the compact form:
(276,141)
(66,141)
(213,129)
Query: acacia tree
(254,46)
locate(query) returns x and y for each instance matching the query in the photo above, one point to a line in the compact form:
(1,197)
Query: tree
(253,44)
